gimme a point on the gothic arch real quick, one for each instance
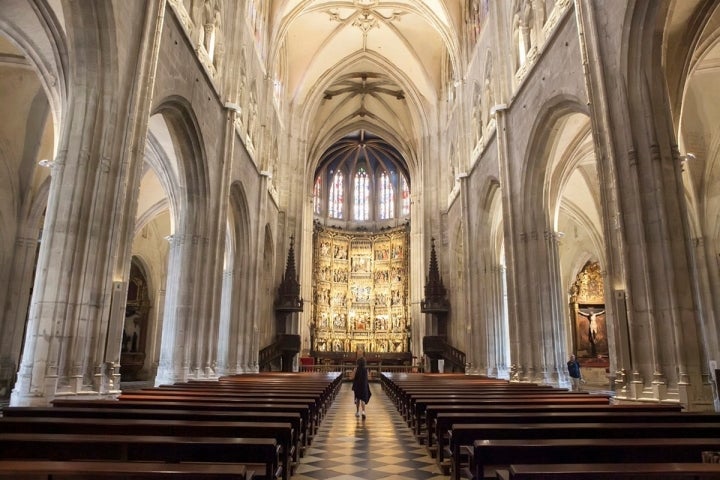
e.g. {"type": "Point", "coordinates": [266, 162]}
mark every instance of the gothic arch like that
{"type": "Point", "coordinates": [187, 141]}
{"type": "Point", "coordinates": [188, 268]}
{"type": "Point", "coordinates": [46, 49]}
{"type": "Point", "coordinates": [542, 136]}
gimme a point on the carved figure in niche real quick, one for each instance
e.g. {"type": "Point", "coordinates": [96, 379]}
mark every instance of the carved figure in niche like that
{"type": "Point", "coordinates": [219, 40]}
{"type": "Point", "coordinates": [362, 294]}
{"type": "Point", "coordinates": [360, 265]}
{"type": "Point", "coordinates": [339, 299]}
{"type": "Point", "coordinates": [591, 332]}
{"type": "Point", "coordinates": [522, 30]}
{"type": "Point", "coordinates": [340, 253]}
{"type": "Point", "coordinates": [475, 21]}
{"type": "Point", "coordinates": [381, 299]}
{"type": "Point", "coordinates": [196, 15]}
{"type": "Point", "coordinates": [540, 12]}
{"type": "Point", "coordinates": [252, 118]}
{"type": "Point", "coordinates": [324, 248]}
{"type": "Point", "coordinates": [208, 23]}
{"type": "Point", "coordinates": [452, 172]}
{"type": "Point", "coordinates": [131, 332]}
{"type": "Point", "coordinates": [489, 92]}
{"type": "Point", "coordinates": [242, 88]}
{"type": "Point", "coordinates": [477, 116]}
{"type": "Point", "coordinates": [396, 300]}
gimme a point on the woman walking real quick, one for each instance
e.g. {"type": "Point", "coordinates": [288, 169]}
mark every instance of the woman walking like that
{"type": "Point", "coordinates": [361, 387]}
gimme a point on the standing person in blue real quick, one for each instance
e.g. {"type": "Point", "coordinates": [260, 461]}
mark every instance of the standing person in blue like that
{"type": "Point", "coordinates": [361, 387]}
{"type": "Point", "coordinates": [574, 372]}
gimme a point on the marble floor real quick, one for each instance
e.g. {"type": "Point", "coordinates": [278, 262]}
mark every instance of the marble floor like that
{"type": "Point", "coordinates": [380, 446]}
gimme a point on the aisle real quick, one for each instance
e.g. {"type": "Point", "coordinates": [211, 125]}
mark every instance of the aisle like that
{"type": "Point", "coordinates": [380, 446]}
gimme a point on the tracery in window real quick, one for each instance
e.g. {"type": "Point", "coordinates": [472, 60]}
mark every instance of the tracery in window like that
{"type": "Point", "coordinates": [361, 179]}
{"type": "Point", "coordinates": [335, 202]}
{"type": "Point", "coordinates": [361, 203]}
{"type": "Point", "coordinates": [405, 198]}
{"type": "Point", "coordinates": [317, 195]}
{"type": "Point", "coordinates": [386, 196]}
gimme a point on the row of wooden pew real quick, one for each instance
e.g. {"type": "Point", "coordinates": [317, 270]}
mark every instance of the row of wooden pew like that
{"type": "Point", "coordinates": [240, 427]}
{"type": "Point", "coordinates": [477, 427]}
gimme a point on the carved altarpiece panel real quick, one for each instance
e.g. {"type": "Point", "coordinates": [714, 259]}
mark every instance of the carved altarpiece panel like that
{"type": "Point", "coordinates": [360, 291]}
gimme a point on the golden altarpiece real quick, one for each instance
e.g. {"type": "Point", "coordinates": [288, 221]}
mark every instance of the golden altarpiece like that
{"type": "Point", "coordinates": [360, 292]}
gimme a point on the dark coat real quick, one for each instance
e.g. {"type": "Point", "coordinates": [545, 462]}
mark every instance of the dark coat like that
{"type": "Point", "coordinates": [360, 386]}
{"type": "Point", "coordinates": [574, 368]}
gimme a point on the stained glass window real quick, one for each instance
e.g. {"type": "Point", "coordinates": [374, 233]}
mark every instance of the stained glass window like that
{"type": "Point", "coordinates": [361, 205]}
{"type": "Point", "coordinates": [317, 195]}
{"type": "Point", "coordinates": [386, 197]}
{"type": "Point", "coordinates": [405, 198]}
{"type": "Point", "coordinates": [335, 202]}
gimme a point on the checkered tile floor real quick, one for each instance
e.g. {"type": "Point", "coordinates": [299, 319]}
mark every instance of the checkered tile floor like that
{"type": "Point", "coordinates": [379, 447]}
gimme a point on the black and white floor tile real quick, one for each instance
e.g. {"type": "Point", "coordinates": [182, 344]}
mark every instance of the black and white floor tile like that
{"type": "Point", "coordinates": [380, 446]}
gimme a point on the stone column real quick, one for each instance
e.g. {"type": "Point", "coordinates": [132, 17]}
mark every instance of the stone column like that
{"type": "Point", "coordinates": [224, 364]}
{"type": "Point", "coordinates": [556, 371]}
{"type": "Point", "coordinates": [11, 330]}
{"type": "Point", "coordinates": [501, 354]}
{"type": "Point", "coordinates": [177, 338]}
{"type": "Point", "coordinates": [491, 334]}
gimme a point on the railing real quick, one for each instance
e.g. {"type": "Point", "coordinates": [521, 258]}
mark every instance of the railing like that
{"type": "Point", "coordinates": [347, 368]}
{"type": "Point", "coordinates": [436, 347]}
{"type": "Point", "coordinates": [269, 354]}
{"type": "Point", "coordinates": [286, 343]}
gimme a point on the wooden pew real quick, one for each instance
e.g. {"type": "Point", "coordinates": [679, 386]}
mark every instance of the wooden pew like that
{"type": "Point", "coordinates": [229, 389]}
{"type": "Point", "coordinates": [420, 404]}
{"type": "Point", "coordinates": [190, 399]}
{"type": "Point", "coordinates": [131, 448]}
{"type": "Point", "coordinates": [476, 413]}
{"type": "Point", "coordinates": [316, 412]}
{"type": "Point", "coordinates": [330, 382]}
{"type": "Point", "coordinates": [489, 455]}
{"type": "Point", "coordinates": [108, 412]}
{"type": "Point", "coordinates": [281, 432]}
{"type": "Point", "coordinates": [616, 471]}
{"type": "Point", "coordinates": [302, 409]}
{"type": "Point", "coordinates": [409, 398]}
{"type": "Point", "coordinates": [466, 434]}
{"type": "Point", "coordinates": [402, 393]}
{"type": "Point", "coordinates": [85, 470]}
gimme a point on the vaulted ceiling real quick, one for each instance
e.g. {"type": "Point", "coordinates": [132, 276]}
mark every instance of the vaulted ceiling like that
{"type": "Point", "coordinates": [380, 65]}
